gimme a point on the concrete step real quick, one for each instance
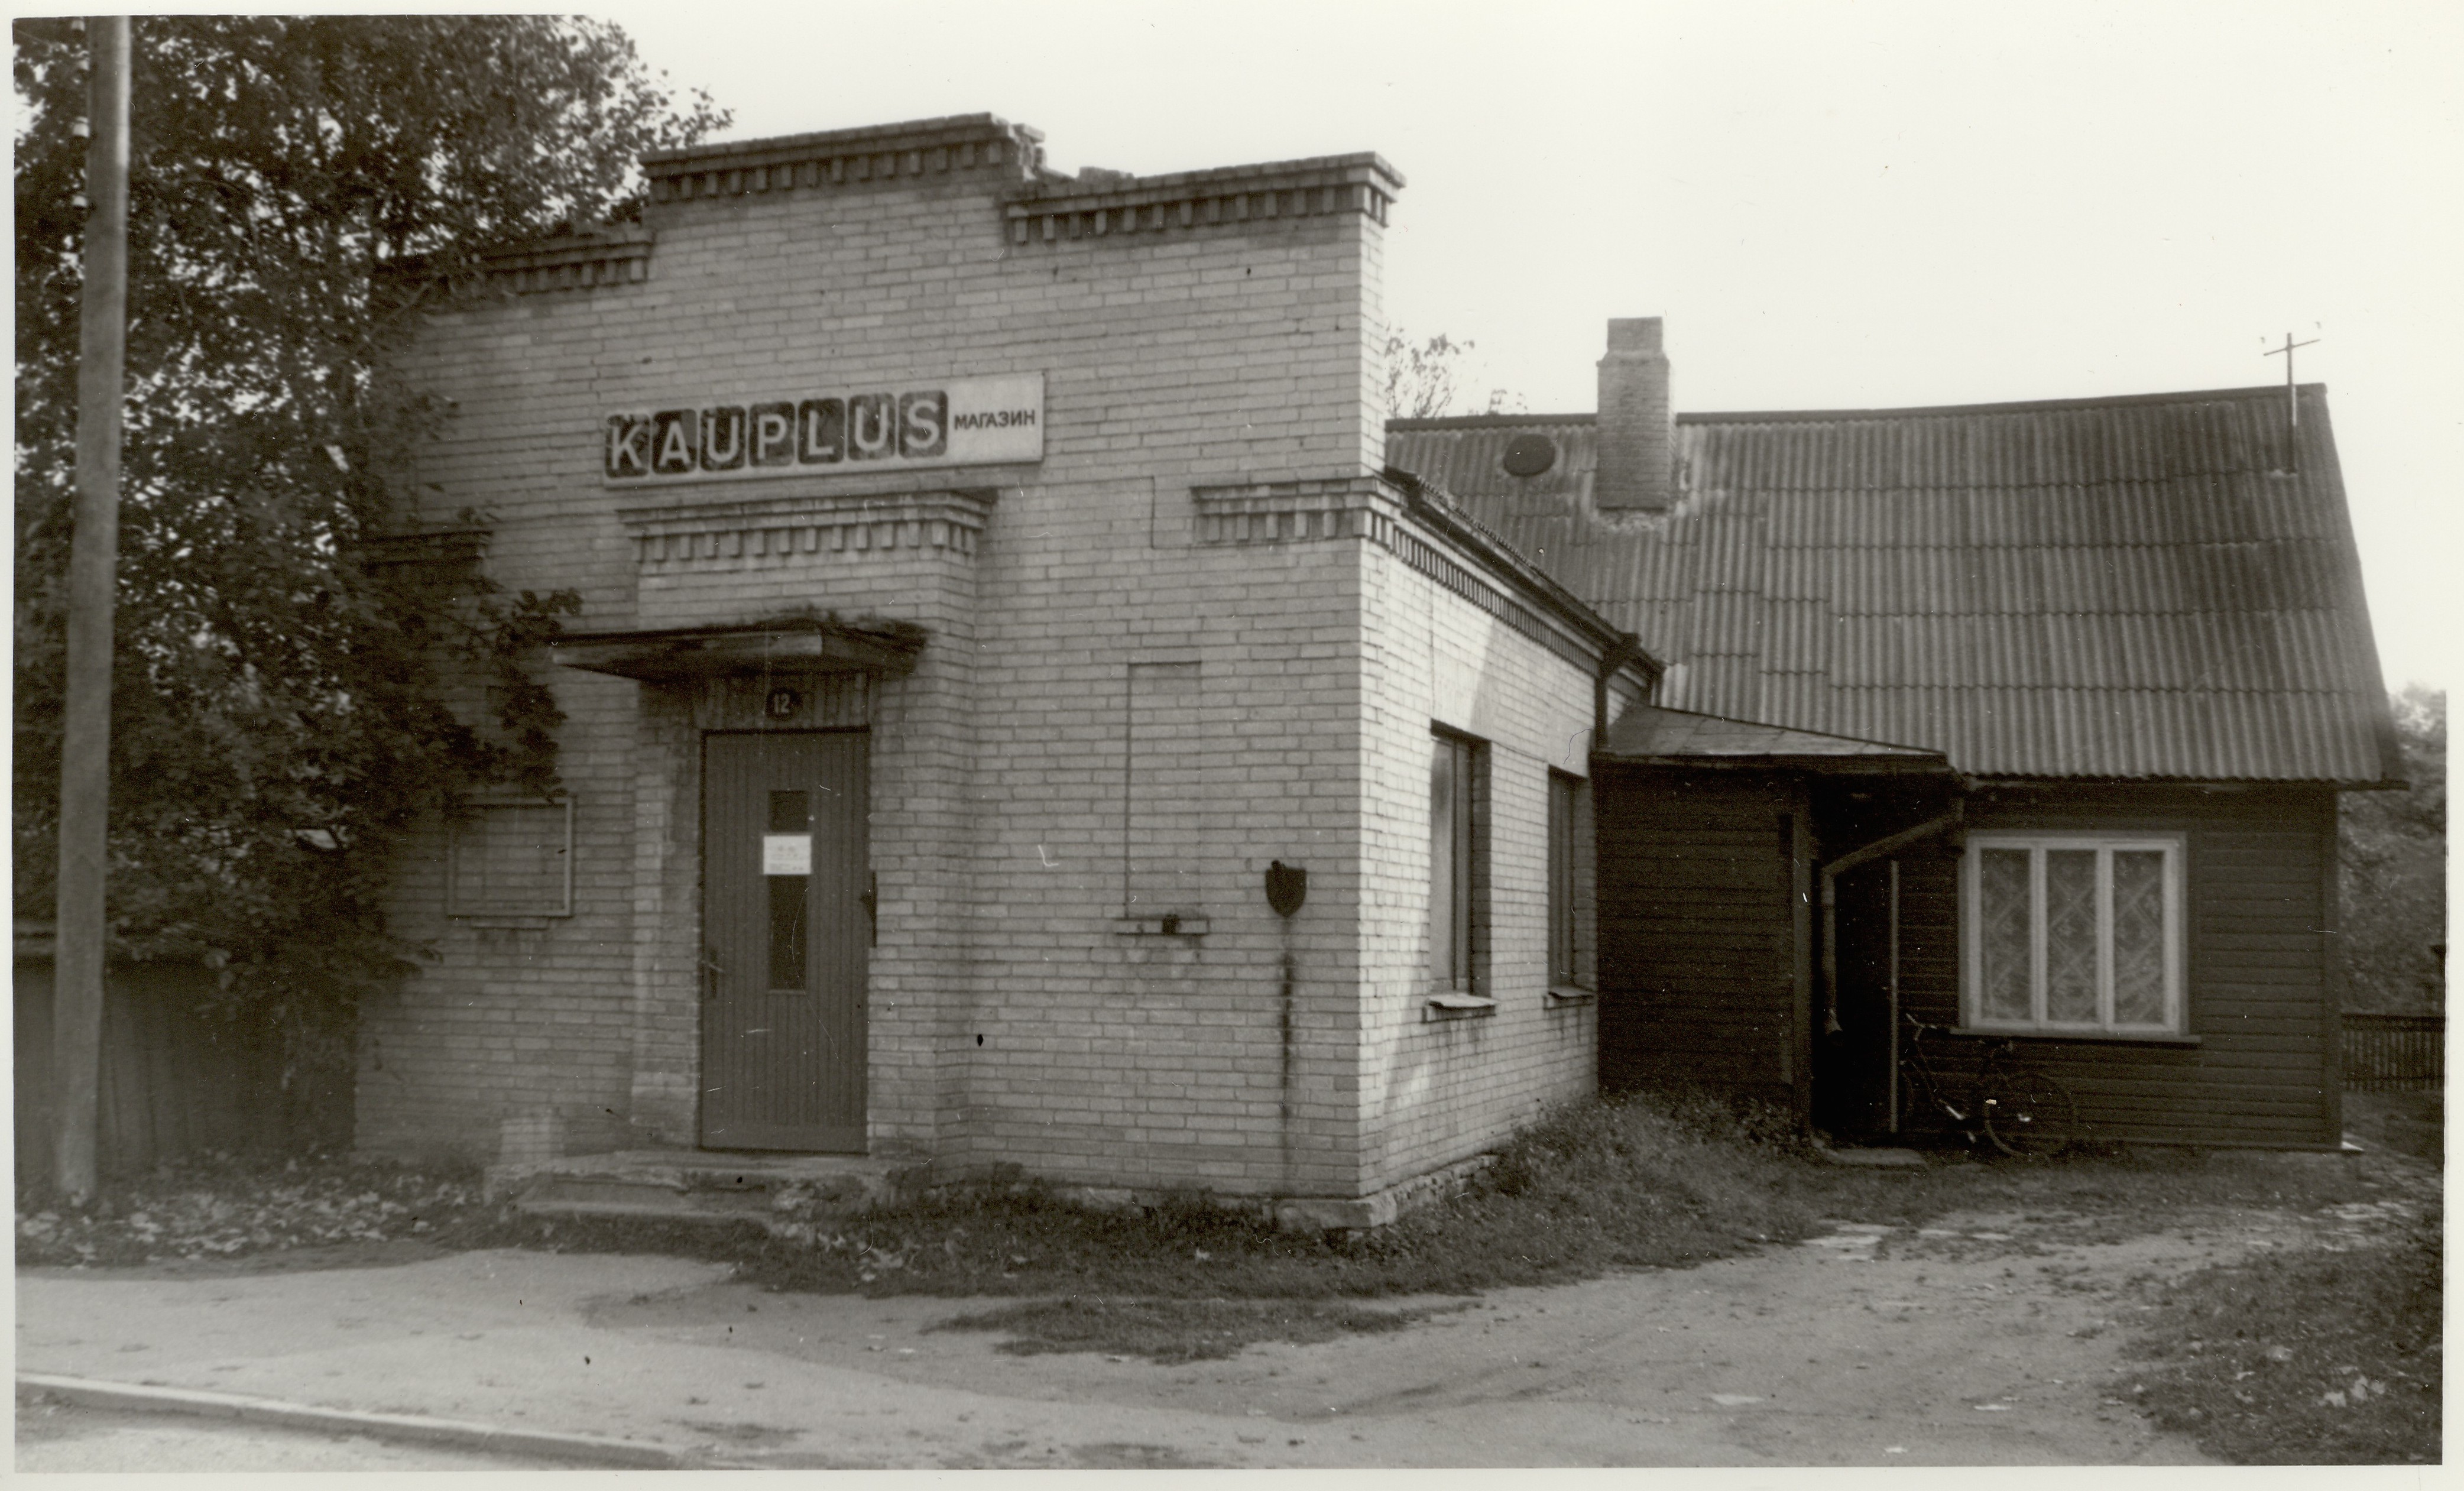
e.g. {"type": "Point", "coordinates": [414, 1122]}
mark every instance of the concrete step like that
{"type": "Point", "coordinates": [671, 1209]}
{"type": "Point", "coordinates": [697, 1186]}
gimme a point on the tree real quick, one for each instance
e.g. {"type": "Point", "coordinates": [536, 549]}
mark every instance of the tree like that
{"type": "Point", "coordinates": [282, 710]}
{"type": "Point", "coordinates": [2393, 857]}
{"type": "Point", "coordinates": [1423, 378]}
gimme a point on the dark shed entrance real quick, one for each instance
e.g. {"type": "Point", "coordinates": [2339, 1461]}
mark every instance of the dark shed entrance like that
{"type": "Point", "coordinates": [1720, 964]}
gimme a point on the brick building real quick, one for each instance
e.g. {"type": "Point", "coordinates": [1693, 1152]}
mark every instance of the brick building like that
{"type": "Point", "coordinates": [988, 577]}
{"type": "Point", "coordinates": [1030, 707]}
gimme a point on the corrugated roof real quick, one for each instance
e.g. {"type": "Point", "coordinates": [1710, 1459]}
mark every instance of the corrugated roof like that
{"type": "Point", "coordinates": [2126, 587]}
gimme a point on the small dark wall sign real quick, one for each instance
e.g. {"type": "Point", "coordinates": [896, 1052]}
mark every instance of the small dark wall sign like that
{"type": "Point", "coordinates": [1287, 887]}
{"type": "Point", "coordinates": [783, 703]}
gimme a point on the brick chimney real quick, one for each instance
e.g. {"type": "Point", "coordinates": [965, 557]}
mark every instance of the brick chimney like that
{"type": "Point", "coordinates": [1638, 455]}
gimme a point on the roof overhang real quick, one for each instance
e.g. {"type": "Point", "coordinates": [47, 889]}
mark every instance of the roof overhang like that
{"type": "Point", "coordinates": [799, 645]}
{"type": "Point", "coordinates": [1435, 508]}
{"type": "Point", "coordinates": [1648, 734]}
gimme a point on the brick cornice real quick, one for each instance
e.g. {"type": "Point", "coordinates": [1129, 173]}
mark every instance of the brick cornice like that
{"type": "Point", "coordinates": [979, 146]}
{"type": "Point", "coordinates": [619, 255]}
{"type": "Point", "coordinates": [1228, 197]}
{"type": "Point", "coordinates": [1285, 511]}
{"type": "Point", "coordinates": [853, 527]}
{"type": "Point", "coordinates": [1423, 529]}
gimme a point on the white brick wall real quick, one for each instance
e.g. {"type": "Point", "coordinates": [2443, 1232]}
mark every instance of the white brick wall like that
{"type": "Point", "coordinates": [1011, 1018]}
{"type": "Point", "coordinates": [1434, 1091]}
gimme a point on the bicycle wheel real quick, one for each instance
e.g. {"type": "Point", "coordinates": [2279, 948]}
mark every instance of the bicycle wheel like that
{"type": "Point", "coordinates": [2029, 1115]}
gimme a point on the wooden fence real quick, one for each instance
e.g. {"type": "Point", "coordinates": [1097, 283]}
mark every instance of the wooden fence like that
{"type": "Point", "coordinates": [174, 1081]}
{"type": "Point", "coordinates": [2385, 1052]}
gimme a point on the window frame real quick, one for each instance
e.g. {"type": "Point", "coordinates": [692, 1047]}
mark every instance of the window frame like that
{"type": "Point", "coordinates": [1567, 818]}
{"type": "Point", "coordinates": [1458, 939]}
{"type": "Point", "coordinates": [1971, 910]}
{"type": "Point", "coordinates": [466, 815]}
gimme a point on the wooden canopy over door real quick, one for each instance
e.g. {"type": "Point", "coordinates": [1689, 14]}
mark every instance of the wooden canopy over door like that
{"type": "Point", "coordinates": [786, 931]}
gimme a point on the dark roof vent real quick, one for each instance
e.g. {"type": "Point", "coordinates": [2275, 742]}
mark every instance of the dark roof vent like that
{"type": "Point", "coordinates": [1529, 454]}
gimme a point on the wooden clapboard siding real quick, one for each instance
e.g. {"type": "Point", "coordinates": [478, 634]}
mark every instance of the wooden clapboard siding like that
{"type": "Point", "coordinates": [2261, 877]}
{"type": "Point", "coordinates": [1696, 962]}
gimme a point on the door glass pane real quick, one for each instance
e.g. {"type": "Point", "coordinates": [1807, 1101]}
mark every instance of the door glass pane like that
{"type": "Point", "coordinates": [790, 814]}
{"type": "Point", "coordinates": [788, 902]}
{"type": "Point", "coordinates": [2070, 937]}
{"type": "Point", "coordinates": [2003, 933]}
{"type": "Point", "coordinates": [2139, 937]}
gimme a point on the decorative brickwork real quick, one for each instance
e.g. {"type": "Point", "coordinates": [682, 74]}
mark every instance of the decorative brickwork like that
{"type": "Point", "coordinates": [835, 527]}
{"type": "Point", "coordinates": [1195, 201]}
{"type": "Point", "coordinates": [976, 145]}
{"type": "Point", "coordinates": [1289, 511]}
{"type": "Point", "coordinates": [609, 257]}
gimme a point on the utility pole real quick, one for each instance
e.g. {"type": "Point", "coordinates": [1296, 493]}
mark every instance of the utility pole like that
{"type": "Point", "coordinates": [2292, 402]}
{"type": "Point", "coordinates": [94, 563]}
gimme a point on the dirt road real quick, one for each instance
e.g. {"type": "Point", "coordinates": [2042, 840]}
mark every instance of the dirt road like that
{"type": "Point", "coordinates": [1982, 1340]}
{"type": "Point", "coordinates": [1991, 1340]}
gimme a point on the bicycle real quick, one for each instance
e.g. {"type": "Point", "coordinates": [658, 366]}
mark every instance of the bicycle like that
{"type": "Point", "coordinates": [2023, 1112]}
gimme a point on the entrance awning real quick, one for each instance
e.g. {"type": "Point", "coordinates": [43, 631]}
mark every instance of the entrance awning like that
{"type": "Point", "coordinates": [800, 645]}
{"type": "Point", "coordinates": [1647, 734]}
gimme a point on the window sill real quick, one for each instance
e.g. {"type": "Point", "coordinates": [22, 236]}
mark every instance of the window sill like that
{"type": "Point", "coordinates": [532, 921]}
{"type": "Point", "coordinates": [1457, 1006]}
{"type": "Point", "coordinates": [1569, 994]}
{"type": "Point", "coordinates": [2098, 1036]}
{"type": "Point", "coordinates": [1172, 924]}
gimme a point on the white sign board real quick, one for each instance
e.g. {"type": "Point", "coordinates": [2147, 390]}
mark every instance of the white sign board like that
{"type": "Point", "coordinates": [786, 854]}
{"type": "Point", "coordinates": [956, 421]}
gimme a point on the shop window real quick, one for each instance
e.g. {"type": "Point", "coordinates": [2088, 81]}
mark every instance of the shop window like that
{"type": "Point", "coordinates": [1569, 816]}
{"type": "Point", "coordinates": [2076, 932]}
{"type": "Point", "coordinates": [1458, 885]}
{"type": "Point", "coordinates": [509, 859]}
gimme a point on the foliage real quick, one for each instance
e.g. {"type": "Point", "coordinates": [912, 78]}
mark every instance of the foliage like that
{"type": "Point", "coordinates": [281, 708]}
{"type": "Point", "coordinates": [216, 1206]}
{"type": "Point", "coordinates": [1423, 378]}
{"type": "Point", "coordinates": [2307, 1358]}
{"type": "Point", "coordinates": [2394, 867]}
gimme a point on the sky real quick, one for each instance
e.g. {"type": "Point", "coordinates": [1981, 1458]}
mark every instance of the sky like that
{"type": "Point", "coordinates": [1833, 206]}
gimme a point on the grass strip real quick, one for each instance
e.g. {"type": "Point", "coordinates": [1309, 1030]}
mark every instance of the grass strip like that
{"type": "Point", "coordinates": [1647, 1180]}
{"type": "Point", "coordinates": [2308, 1358]}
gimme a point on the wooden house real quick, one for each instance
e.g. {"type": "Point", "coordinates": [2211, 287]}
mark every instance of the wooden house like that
{"type": "Point", "coordinates": [2022, 718]}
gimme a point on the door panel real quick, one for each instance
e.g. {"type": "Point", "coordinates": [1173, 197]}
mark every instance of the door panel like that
{"type": "Point", "coordinates": [785, 935]}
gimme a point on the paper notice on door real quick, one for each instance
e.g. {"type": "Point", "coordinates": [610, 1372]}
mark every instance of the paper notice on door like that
{"type": "Point", "coordinates": [786, 854]}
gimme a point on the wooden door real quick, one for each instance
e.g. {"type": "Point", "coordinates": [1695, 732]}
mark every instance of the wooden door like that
{"type": "Point", "coordinates": [785, 933]}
